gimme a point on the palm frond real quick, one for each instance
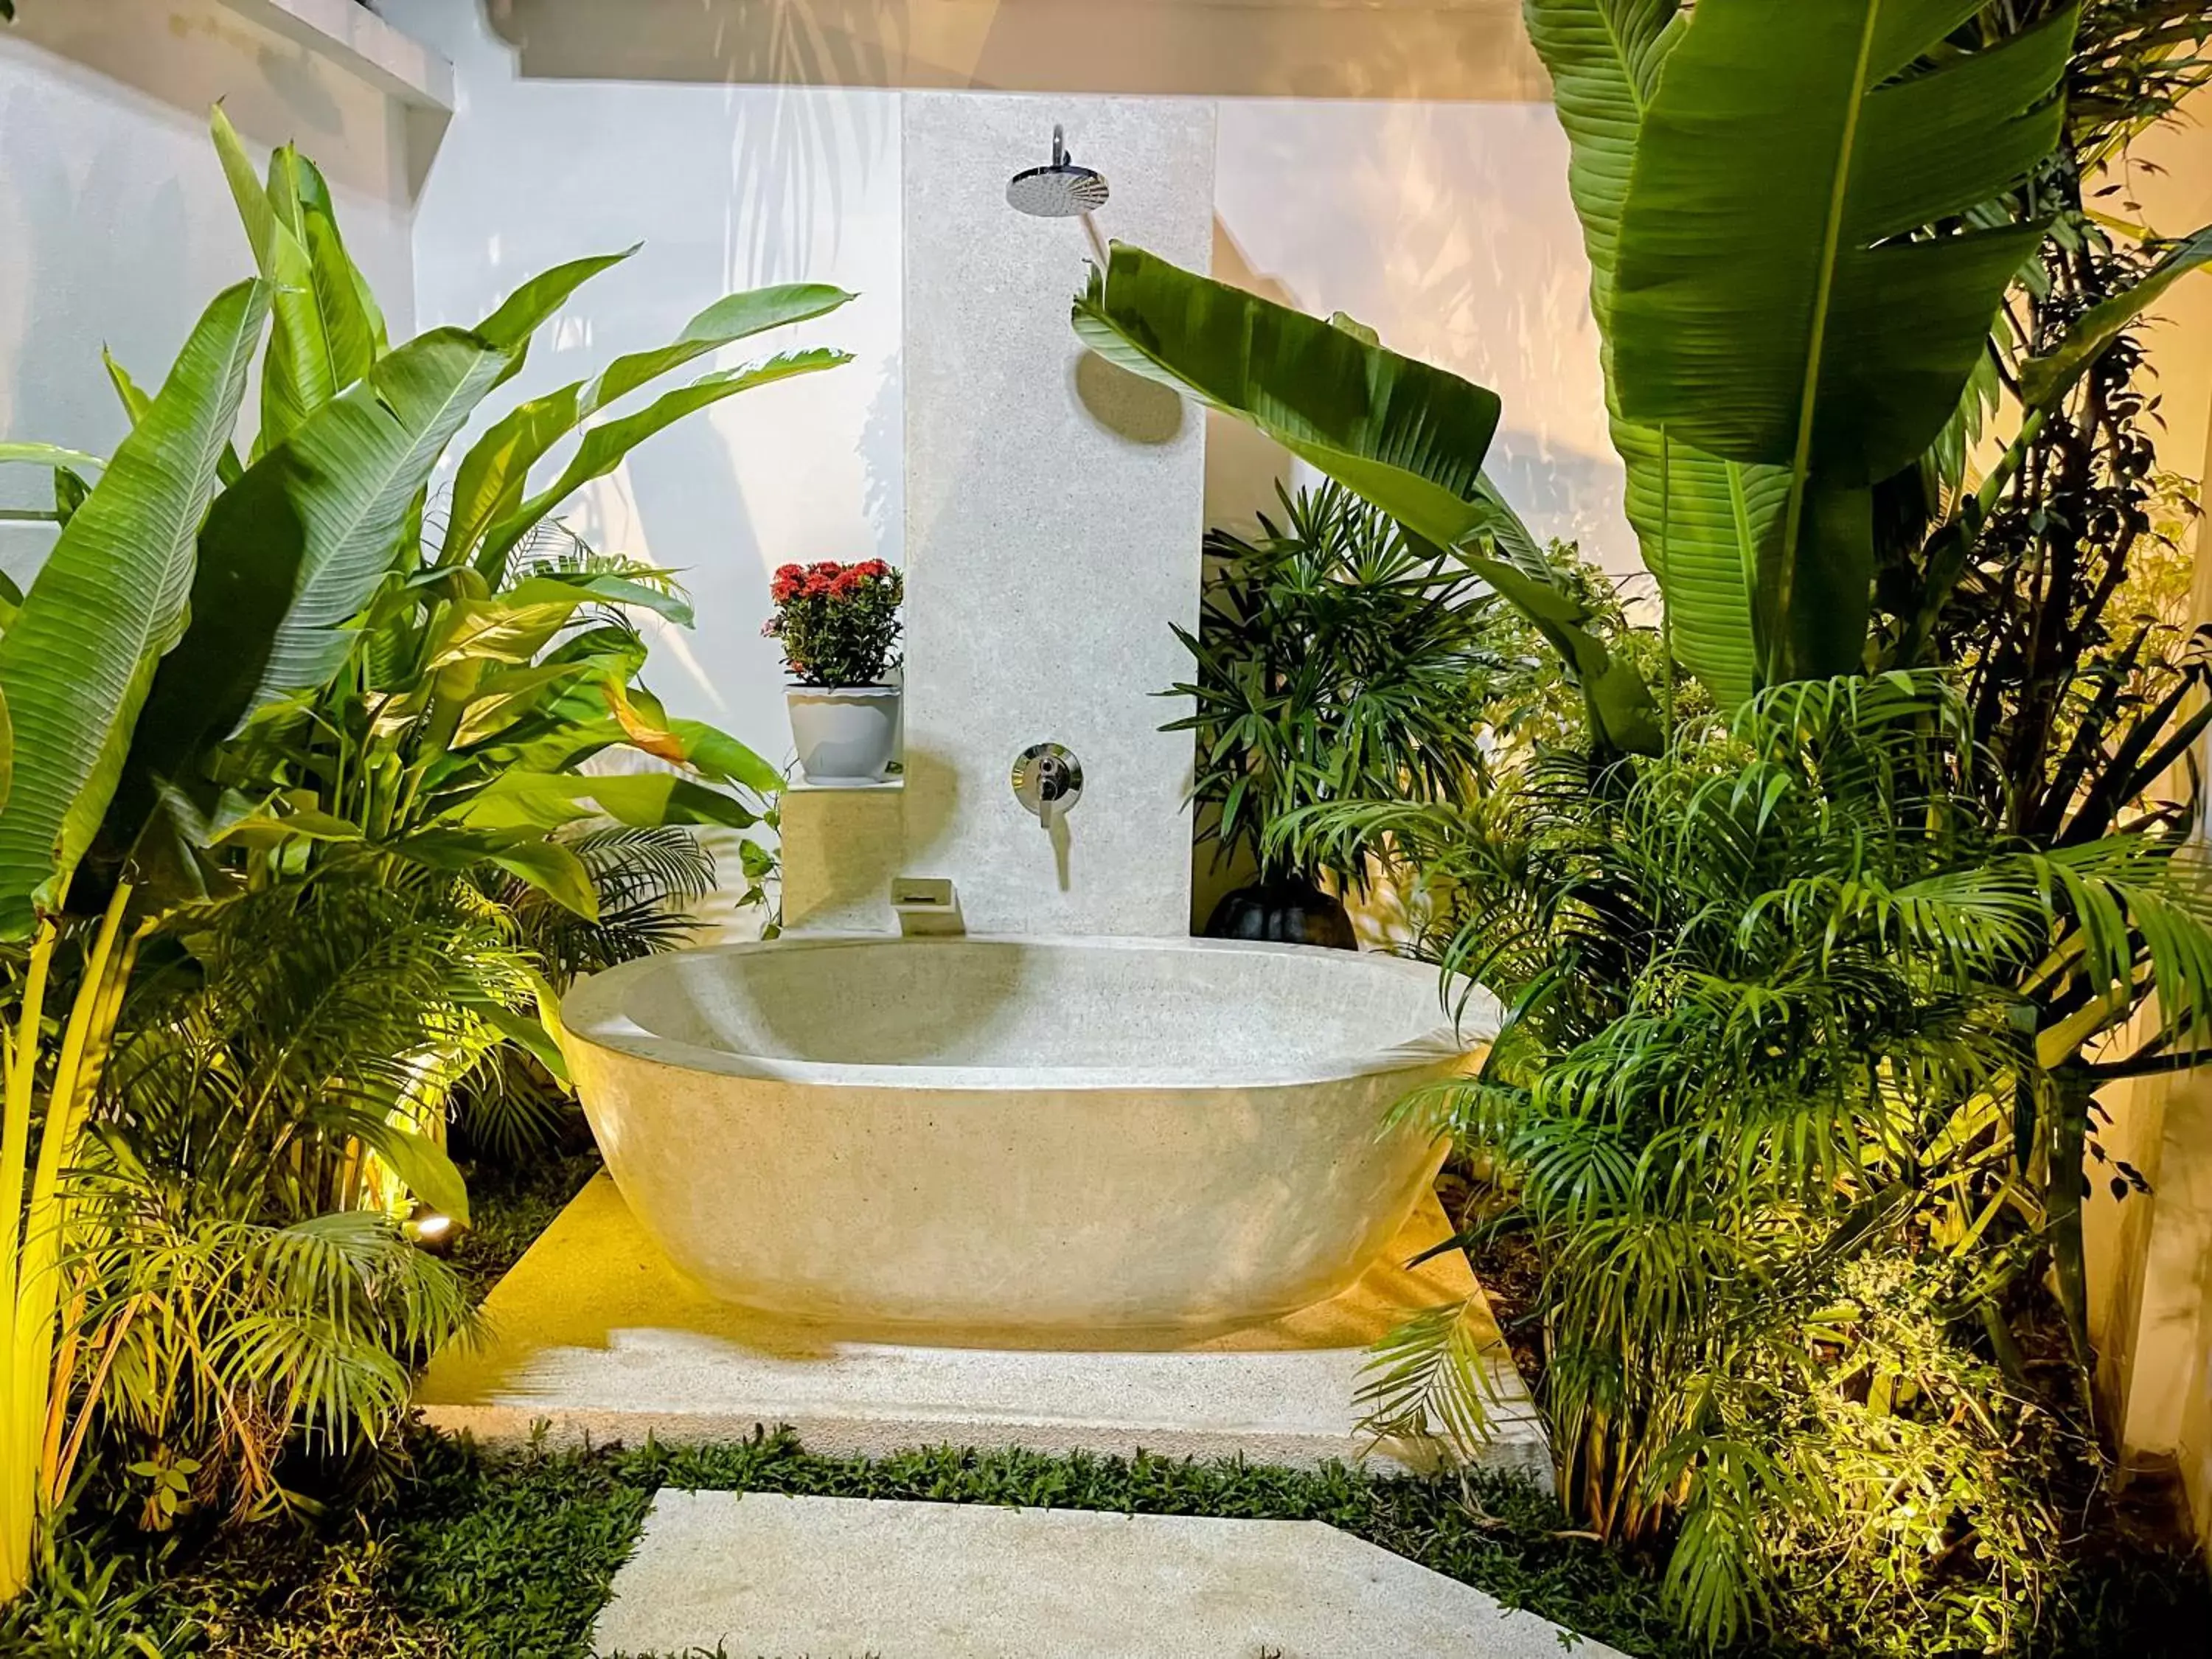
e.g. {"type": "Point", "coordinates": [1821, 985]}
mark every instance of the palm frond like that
{"type": "Point", "coordinates": [1429, 1381]}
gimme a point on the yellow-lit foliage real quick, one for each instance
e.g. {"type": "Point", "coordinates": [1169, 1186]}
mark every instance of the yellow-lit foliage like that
{"type": "Point", "coordinates": [36, 1366]}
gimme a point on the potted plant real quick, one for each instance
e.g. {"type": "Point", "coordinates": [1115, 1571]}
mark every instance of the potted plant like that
{"type": "Point", "coordinates": [838, 624]}
{"type": "Point", "coordinates": [1337, 660]}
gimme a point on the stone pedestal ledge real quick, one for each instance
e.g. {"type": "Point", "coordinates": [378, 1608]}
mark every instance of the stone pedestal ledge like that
{"type": "Point", "coordinates": [834, 1577]}
{"type": "Point", "coordinates": [596, 1335]}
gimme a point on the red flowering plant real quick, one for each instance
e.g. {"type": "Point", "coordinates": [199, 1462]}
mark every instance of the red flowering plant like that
{"type": "Point", "coordinates": [838, 622]}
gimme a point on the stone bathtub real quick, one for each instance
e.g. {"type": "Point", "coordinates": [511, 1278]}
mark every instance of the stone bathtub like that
{"type": "Point", "coordinates": [1042, 1135]}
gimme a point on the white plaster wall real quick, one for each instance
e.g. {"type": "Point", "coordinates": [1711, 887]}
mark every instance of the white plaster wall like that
{"type": "Point", "coordinates": [1446, 228]}
{"type": "Point", "coordinates": [728, 187]}
{"type": "Point", "coordinates": [115, 222]}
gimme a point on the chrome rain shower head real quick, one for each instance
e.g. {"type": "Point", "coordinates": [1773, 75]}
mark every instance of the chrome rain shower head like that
{"type": "Point", "coordinates": [1060, 190]}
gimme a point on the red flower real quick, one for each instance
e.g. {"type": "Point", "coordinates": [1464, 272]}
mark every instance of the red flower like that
{"type": "Point", "coordinates": [849, 581]}
{"type": "Point", "coordinates": [873, 568]}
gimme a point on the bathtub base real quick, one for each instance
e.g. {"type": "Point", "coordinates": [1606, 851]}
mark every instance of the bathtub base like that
{"type": "Point", "coordinates": [597, 1337]}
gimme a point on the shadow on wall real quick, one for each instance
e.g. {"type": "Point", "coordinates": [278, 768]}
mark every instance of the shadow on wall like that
{"type": "Point", "coordinates": [188, 54]}
{"type": "Point", "coordinates": [1141, 411]}
{"type": "Point", "coordinates": [1393, 48]}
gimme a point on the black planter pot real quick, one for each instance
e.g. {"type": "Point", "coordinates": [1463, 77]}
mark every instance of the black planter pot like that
{"type": "Point", "coordinates": [1289, 911]}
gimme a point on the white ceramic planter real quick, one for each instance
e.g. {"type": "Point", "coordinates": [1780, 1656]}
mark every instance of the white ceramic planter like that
{"type": "Point", "coordinates": [844, 733]}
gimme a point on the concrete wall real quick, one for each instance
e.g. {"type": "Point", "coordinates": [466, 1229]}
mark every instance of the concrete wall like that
{"type": "Point", "coordinates": [1053, 520]}
{"type": "Point", "coordinates": [115, 222]}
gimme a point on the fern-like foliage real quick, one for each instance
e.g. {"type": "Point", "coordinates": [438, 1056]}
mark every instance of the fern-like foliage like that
{"type": "Point", "coordinates": [1790, 1097]}
{"type": "Point", "coordinates": [286, 1059]}
{"type": "Point", "coordinates": [647, 880]}
{"type": "Point", "coordinates": [1429, 1383]}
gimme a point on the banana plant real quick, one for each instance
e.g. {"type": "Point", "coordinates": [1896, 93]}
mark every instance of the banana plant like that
{"type": "Point", "coordinates": [1699, 520]}
{"type": "Point", "coordinates": [1775, 298]}
{"type": "Point", "coordinates": [329, 629]}
{"type": "Point", "coordinates": [198, 606]}
{"type": "Point", "coordinates": [1406, 436]}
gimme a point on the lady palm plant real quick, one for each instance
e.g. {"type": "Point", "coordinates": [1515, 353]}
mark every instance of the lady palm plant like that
{"type": "Point", "coordinates": [1335, 660]}
{"type": "Point", "coordinates": [1768, 1101]}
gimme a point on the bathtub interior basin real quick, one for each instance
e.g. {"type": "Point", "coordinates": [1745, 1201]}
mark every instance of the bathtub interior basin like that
{"type": "Point", "coordinates": [1017, 1006]}
{"type": "Point", "coordinates": [1049, 1135]}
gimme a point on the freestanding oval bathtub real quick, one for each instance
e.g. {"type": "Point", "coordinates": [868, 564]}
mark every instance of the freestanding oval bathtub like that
{"type": "Point", "coordinates": [1039, 1134]}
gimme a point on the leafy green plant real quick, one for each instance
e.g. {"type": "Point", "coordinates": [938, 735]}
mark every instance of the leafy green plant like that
{"type": "Point", "coordinates": [1766, 1101]}
{"type": "Point", "coordinates": [90, 1604]}
{"type": "Point", "coordinates": [437, 687]}
{"type": "Point", "coordinates": [230, 673]}
{"type": "Point", "coordinates": [75, 663]}
{"type": "Point", "coordinates": [1824, 330]}
{"type": "Point", "coordinates": [1335, 660]}
{"type": "Point", "coordinates": [838, 623]}
{"type": "Point", "coordinates": [646, 882]}
{"type": "Point", "coordinates": [240, 1288]}
{"type": "Point", "coordinates": [1408, 437]}
{"type": "Point", "coordinates": [1780, 473]}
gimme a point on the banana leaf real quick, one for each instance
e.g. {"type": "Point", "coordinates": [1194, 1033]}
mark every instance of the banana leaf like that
{"type": "Point", "coordinates": [604, 446]}
{"type": "Point", "coordinates": [77, 664]}
{"type": "Point", "coordinates": [1698, 520]}
{"type": "Point", "coordinates": [291, 553]}
{"type": "Point", "coordinates": [493, 474]}
{"type": "Point", "coordinates": [299, 375]}
{"type": "Point", "coordinates": [351, 323]}
{"type": "Point", "coordinates": [1406, 436]}
{"type": "Point", "coordinates": [1773, 304]}
{"type": "Point", "coordinates": [53, 455]}
{"type": "Point", "coordinates": [540, 800]}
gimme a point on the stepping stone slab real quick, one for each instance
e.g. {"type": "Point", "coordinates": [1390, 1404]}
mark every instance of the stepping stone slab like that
{"type": "Point", "coordinates": [842, 1577]}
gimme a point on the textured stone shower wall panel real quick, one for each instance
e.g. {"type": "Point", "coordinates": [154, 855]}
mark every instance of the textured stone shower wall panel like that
{"type": "Point", "coordinates": [1053, 517]}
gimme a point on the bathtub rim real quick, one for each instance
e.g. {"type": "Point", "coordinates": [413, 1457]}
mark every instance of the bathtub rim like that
{"type": "Point", "coordinates": [594, 1013]}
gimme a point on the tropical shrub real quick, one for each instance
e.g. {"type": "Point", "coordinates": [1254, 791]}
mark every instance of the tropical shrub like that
{"type": "Point", "coordinates": [233, 673]}
{"type": "Point", "coordinates": [1335, 660]}
{"type": "Point", "coordinates": [1808, 1008]}
{"type": "Point", "coordinates": [1767, 1102]}
{"type": "Point", "coordinates": [243, 1289]}
{"type": "Point", "coordinates": [838, 623]}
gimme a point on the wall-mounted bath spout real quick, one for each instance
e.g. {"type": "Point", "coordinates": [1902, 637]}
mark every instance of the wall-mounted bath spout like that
{"type": "Point", "coordinates": [1047, 780]}
{"type": "Point", "coordinates": [926, 907]}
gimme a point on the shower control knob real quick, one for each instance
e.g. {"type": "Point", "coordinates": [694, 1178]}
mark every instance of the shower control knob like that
{"type": "Point", "coordinates": [1047, 780]}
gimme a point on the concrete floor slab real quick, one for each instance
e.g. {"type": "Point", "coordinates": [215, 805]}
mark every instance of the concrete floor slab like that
{"type": "Point", "coordinates": [598, 1337]}
{"type": "Point", "coordinates": [832, 1577]}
